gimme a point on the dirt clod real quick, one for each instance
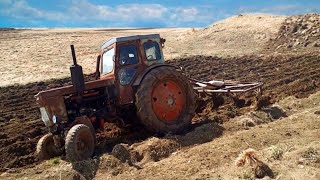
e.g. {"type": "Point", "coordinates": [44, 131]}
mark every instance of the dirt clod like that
{"type": "Point", "coordinates": [261, 170]}
{"type": "Point", "coordinates": [121, 152]}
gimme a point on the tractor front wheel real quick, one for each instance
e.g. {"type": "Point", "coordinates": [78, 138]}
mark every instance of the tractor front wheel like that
{"type": "Point", "coordinates": [79, 143]}
{"type": "Point", "coordinates": [46, 148]}
{"type": "Point", "coordinates": [165, 101]}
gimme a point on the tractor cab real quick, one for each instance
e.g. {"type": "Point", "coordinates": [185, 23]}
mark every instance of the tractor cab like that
{"type": "Point", "coordinates": [123, 59]}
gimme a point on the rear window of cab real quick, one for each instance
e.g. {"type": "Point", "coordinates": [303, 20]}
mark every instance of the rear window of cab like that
{"type": "Point", "coordinates": [152, 51]}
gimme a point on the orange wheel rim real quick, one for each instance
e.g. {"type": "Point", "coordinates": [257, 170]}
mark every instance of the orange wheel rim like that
{"type": "Point", "coordinates": [167, 100]}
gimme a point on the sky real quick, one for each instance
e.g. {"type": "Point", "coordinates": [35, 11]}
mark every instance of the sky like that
{"type": "Point", "coordinates": [143, 13]}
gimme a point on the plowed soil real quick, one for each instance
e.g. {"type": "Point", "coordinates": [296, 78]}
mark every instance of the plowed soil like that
{"type": "Point", "coordinates": [282, 75]}
{"type": "Point", "coordinates": [21, 127]}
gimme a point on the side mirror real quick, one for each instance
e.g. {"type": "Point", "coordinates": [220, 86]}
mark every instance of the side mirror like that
{"type": "Point", "coordinates": [98, 67]}
{"type": "Point", "coordinates": [162, 41]}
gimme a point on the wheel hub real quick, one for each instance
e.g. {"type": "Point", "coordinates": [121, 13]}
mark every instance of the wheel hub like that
{"type": "Point", "coordinates": [167, 100]}
{"type": "Point", "coordinates": [170, 102]}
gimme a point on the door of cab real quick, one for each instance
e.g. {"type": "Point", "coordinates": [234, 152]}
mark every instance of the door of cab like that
{"type": "Point", "coordinates": [128, 63]}
{"type": "Point", "coordinates": [107, 64]}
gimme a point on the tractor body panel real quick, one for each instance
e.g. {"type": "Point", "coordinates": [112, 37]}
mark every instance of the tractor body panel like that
{"type": "Point", "coordinates": [52, 101]}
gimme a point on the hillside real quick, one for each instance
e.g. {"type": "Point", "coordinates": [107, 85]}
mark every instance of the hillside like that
{"type": "Point", "coordinates": [31, 55]}
{"type": "Point", "coordinates": [235, 36]}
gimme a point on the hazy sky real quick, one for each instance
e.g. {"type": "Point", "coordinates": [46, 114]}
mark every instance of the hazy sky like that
{"type": "Point", "coordinates": [144, 13]}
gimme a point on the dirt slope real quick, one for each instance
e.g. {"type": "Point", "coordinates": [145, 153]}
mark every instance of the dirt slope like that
{"type": "Point", "coordinates": [301, 32]}
{"type": "Point", "coordinates": [288, 145]}
{"type": "Point", "coordinates": [235, 36]}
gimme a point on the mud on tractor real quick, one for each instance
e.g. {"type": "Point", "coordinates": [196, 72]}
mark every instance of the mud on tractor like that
{"type": "Point", "coordinates": [131, 76]}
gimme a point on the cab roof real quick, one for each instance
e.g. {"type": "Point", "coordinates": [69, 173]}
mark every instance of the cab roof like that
{"type": "Point", "coordinates": [128, 38]}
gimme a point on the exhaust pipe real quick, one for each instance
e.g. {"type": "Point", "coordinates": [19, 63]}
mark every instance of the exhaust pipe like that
{"type": "Point", "coordinates": [77, 77]}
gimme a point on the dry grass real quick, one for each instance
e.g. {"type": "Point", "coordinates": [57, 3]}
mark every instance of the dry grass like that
{"type": "Point", "coordinates": [238, 35]}
{"type": "Point", "coordinates": [41, 54]}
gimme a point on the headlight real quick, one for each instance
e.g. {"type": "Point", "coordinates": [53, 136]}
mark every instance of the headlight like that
{"type": "Point", "coordinates": [44, 116]}
{"type": "Point", "coordinates": [55, 119]}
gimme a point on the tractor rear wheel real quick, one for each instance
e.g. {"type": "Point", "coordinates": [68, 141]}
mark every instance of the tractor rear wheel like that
{"type": "Point", "coordinates": [165, 101]}
{"type": "Point", "coordinates": [79, 143]}
{"type": "Point", "coordinates": [46, 148]}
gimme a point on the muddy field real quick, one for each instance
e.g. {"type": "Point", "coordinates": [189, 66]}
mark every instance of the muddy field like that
{"type": "Point", "coordinates": [283, 75]}
{"type": "Point", "coordinates": [21, 127]}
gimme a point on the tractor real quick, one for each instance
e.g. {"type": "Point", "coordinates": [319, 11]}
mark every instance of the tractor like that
{"type": "Point", "coordinates": [130, 76]}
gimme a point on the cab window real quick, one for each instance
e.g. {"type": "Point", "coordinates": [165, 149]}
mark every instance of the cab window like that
{"type": "Point", "coordinates": [128, 55]}
{"type": "Point", "coordinates": [152, 51]}
{"type": "Point", "coordinates": [107, 61]}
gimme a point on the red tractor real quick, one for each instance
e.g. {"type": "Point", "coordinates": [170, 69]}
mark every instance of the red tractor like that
{"type": "Point", "coordinates": [130, 76]}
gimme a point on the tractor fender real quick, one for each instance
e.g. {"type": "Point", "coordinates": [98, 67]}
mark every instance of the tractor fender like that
{"type": "Point", "coordinates": [147, 70]}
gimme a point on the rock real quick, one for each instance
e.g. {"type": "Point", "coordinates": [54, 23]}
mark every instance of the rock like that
{"type": "Point", "coordinates": [275, 112]}
{"type": "Point", "coordinates": [261, 170]}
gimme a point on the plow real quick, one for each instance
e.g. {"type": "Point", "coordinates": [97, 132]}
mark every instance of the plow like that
{"type": "Point", "coordinates": [229, 87]}
{"type": "Point", "coordinates": [131, 76]}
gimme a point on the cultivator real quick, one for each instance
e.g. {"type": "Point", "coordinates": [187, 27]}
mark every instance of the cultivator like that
{"type": "Point", "coordinates": [227, 86]}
